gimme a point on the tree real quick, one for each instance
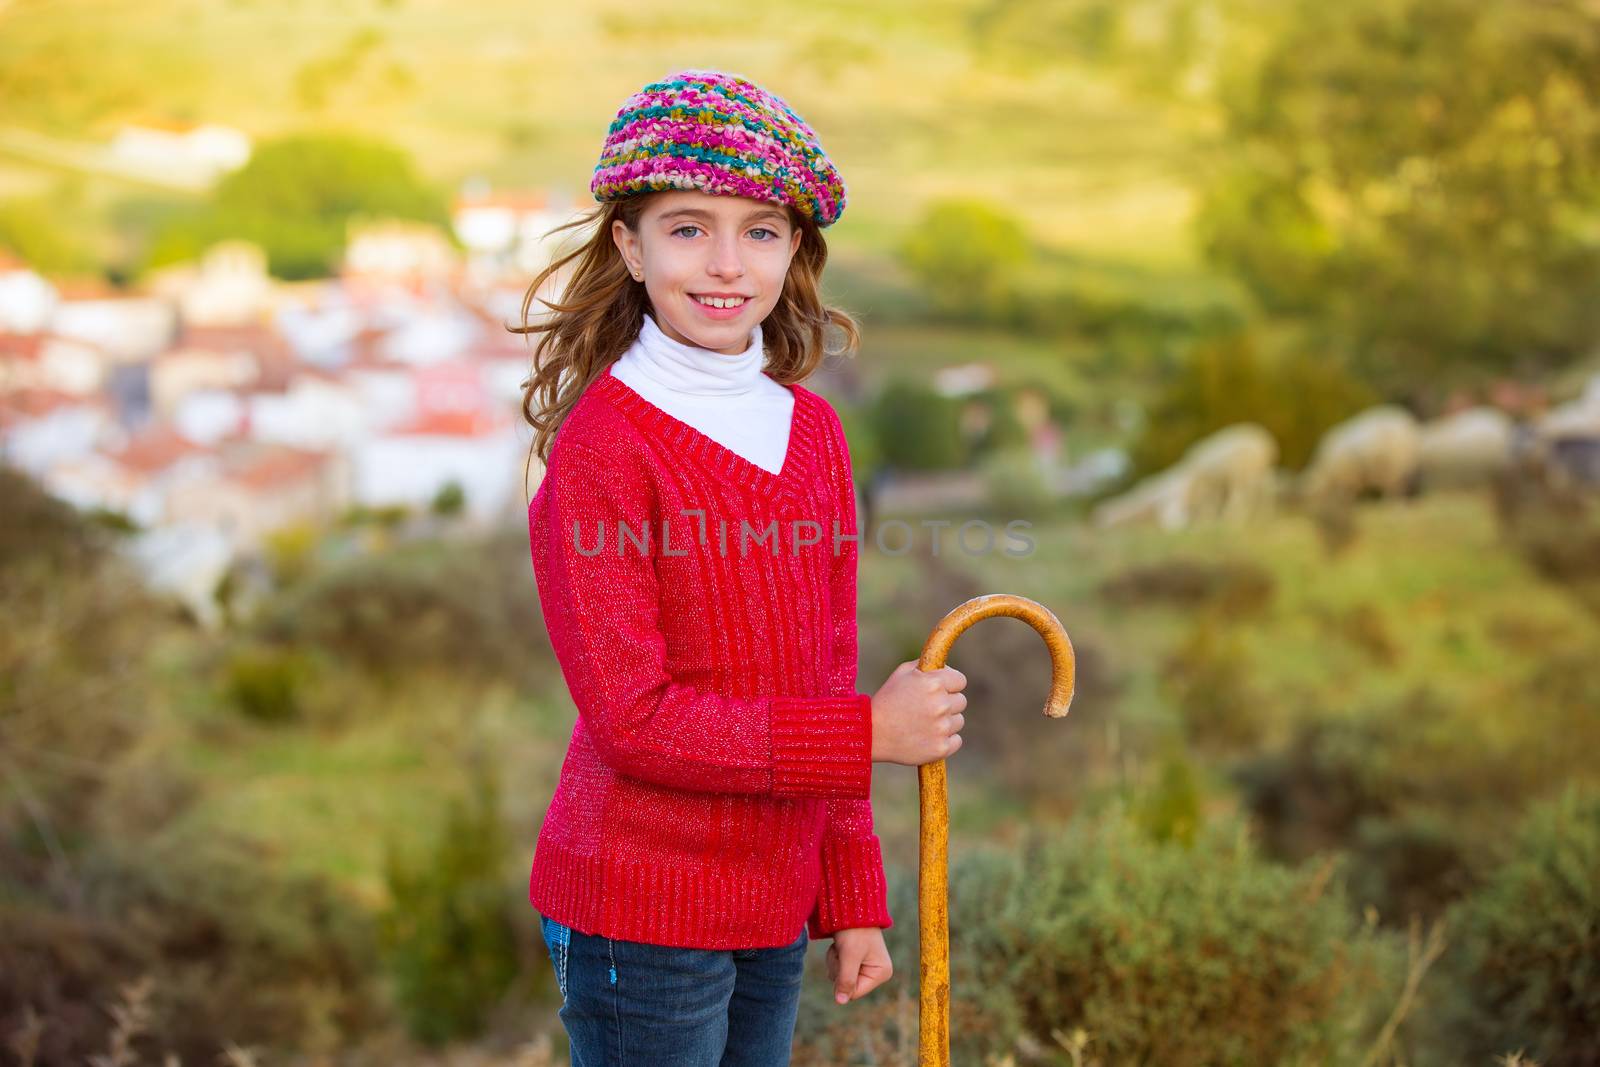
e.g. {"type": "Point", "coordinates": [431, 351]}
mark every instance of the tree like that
{"type": "Point", "coordinates": [965, 254]}
{"type": "Point", "coordinates": [296, 198]}
{"type": "Point", "coordinates": [1420, 175]}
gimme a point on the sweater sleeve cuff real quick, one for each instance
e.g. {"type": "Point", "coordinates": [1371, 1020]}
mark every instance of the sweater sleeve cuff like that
{"type": "Point", "coordinates": [854, 892]}
{"type": "Point", "coordinates": [822, 747]}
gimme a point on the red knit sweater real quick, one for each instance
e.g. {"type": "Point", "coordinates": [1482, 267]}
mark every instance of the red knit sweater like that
{"type": "Point", "coordinates": [716, 791]}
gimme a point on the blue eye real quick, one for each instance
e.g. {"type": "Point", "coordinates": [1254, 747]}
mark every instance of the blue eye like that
{"type": "Point", "coordinates": [773, 234]}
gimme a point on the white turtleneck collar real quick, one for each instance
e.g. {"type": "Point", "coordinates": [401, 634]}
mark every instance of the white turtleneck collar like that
{"type": "Point", "coordinates": [730, 399]}
{"type": "Point", "coordinates": [688, 368]}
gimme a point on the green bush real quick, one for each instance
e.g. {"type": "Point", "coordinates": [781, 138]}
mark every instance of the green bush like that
{"type": "Point", "coordinates": [266, 683]}
{"type": "Point", "coordinates": [1162, 953]}
{"type": "Point", "coordinates": [967, 255]}
{"type": "Point", "coordinates": [917, 428]}
{"type": "Point", "coordinates": [472, 611]}
{"type": "Point", "coordinates": [236, 951]}
{"type": "Point", "coordinates": [1015, 484]}
{"type": "Point", "coordinates": [448, 936]}
{"type": "Point", "coordinates": [1530, 939]}
{"type": "Point", "coordinates": [1208, 678]}
{"type": "Point", "coordinates": [1295, 394]}
{"type": "Point", "coordinates": [1394, 785]}
{"type": "Point", "coordinates": [1233, 589]}
{"type": "Point", "coordinates": [1170, 809]}
{"type": "Point", "coordinates": [451, 499]}
{"type": "Point", "coordinates": [291, 551]}
{"type": "Point", "coordinates": [1005, 430]}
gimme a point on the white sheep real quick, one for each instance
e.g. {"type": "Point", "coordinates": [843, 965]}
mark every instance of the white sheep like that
{"type": "Point", "coordinates": [1226, 475]}
{"type": "Point", "coordinates": [1579, 417]}
{"type": "Point", "coordinates": [1378, 448]}
{"type": "Point", "coordinates": [1467, 448]}
{"type": "Point", "coordinates": [1231, 473]}
{"type": "Point", "coordinates": [1161, 498]}
{"type": "Point", "coordinates": [1566, 439]}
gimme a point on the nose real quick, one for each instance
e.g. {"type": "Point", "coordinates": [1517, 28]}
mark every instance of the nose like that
{"type": "Point", "coordinates": [726, 260]}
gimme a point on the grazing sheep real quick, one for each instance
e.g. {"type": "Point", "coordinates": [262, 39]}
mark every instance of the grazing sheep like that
{"type": "Point", "coordinates": [1579, 417]}
{"type": "Point", "coordinates": [1567, 438]}
{"type": "Point", "coordinates": [1161, 498]}
{"type": "Point", "coordinates": [1378, 449]}
{"type": "Point", "coordinates": [1468, 448]}
{"type": "Point", "coordinates": [1227, 475]}
{"type": "Point", "coordinates": [1232, 473]}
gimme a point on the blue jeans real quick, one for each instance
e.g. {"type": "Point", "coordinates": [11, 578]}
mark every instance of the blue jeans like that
{"type": "Point", "coordinates": [633, 1004]}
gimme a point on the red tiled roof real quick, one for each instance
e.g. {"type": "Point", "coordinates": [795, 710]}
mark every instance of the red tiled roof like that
{"type": "Point", "coordinates": [449, 424]}
{"type": "Point", "coordinates": [20, 345]}
{"type": "Point", "coordinates": [277, 465]}
{"type": "Point", "coordinates": [156, 449]}
{"type": "Point", "coordinates": [20, 404]}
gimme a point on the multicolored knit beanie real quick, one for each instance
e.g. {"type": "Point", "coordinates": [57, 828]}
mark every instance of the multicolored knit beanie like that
{"type": "Point", "coordinates": [721, 134]}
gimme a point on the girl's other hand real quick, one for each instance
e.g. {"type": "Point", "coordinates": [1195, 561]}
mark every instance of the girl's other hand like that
{"type": "Point", "coordinates": [858, 962]}
{"type": "Point", "coordinates": [917, 715]}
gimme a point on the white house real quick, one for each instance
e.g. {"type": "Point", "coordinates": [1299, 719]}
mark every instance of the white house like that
{"type": "Point", "coordinates": [229, 285]}
{"type": "Point", "coordinates": [136, 478]}
{"type": "Point", "coordinates": [189, 153]}
{"type": "Point", "coordinates": [40, 428]}
{"type": "Point", "coordinates": [317, 410]}
{"type": "Point", "coordinates": [127, 328]}
{"type": "Point", "coordinates": [257, 488]}
{"type": "Point", "coordinates": [460, 433]}
{"type": "Point", "coordinates": [27, 299]}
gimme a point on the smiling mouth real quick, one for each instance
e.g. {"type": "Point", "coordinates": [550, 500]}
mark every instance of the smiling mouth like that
{"type": "Point", "coordinates": [720, 302]}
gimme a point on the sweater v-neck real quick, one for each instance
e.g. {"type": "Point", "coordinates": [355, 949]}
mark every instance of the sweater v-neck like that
{"type": "Point", "coordinates": [799, 456]}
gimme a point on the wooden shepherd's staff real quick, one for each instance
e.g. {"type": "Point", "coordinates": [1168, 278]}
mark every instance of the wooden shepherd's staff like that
{"type": "Point", "coordinates": [933, 891]}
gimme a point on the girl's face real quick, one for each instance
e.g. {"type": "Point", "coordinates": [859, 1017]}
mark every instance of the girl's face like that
{"type": "Point", "coordinates": [692, 245]}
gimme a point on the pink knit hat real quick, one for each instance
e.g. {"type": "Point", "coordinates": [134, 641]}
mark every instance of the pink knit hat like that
{"type": "Point", "coordinates": [721, 134]}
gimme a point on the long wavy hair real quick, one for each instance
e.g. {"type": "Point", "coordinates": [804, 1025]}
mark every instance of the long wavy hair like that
{"type": "Point", "coordinates": [601, 309]}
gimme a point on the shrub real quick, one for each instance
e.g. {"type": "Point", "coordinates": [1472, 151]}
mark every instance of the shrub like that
{"type": "Point", "coordinates": [1391, 784]}
{"type": "Point", "coordinates": [917, 428]}
{"type": "Point", "coordinates": [470, 609]}
{"type": "Point", "coordinates": [967, 256]}
{"type": "Point", "coordinates": [266, 683]}
{"type": "Point", "coordinates": [291, 551]}
{"type": "Point", "coordinates": [1208, 677]}
{"type": "Point", "coordinates": [235, 951]}
{"type": "Point", "coordinates": [1004, 430]}
{"type": "Point", "coordinates": [1531, 938]}
{"type": "Point", "coordinates": [1170, 810]}
{"type": "Point", "coordinates": [1236, 587]}
{"type": "Point", "coordinates": [448, 934]}
{"type": "Point", "coordinates": [451, 499]}
{"type": "Point", "coordinates": [1161, 953]}
{"type": "Point", "coordinates": [1016, 486]}
{"type": "Point", "coordinates": [1295, 394]}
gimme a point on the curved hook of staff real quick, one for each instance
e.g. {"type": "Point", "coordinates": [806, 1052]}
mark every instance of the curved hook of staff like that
{"type": "Point", "coordinates": [933, 897]}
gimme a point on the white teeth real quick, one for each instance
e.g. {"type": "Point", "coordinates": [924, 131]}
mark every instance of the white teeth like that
{"type": "Point", "coordinates": [719, 302]}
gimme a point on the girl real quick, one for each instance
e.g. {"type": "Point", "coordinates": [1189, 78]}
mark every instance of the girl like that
{"type": "Point", "coordinates": [694, 543]}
